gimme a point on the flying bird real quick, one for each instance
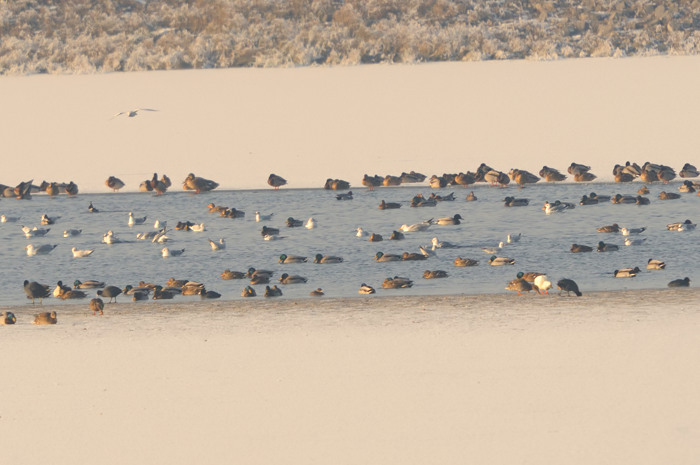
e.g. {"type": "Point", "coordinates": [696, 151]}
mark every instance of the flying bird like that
{"type": "Point", "coordinates": [134, 112]}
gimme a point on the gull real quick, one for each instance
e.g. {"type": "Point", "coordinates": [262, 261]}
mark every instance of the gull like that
{"type": "Point", "coordinates": [35, 232]}
{"type": "Point", "coordinates": [437, 244]}
{"type": "Point", "coordinates": [40, 250]}
{"type": "Point", "coordinates": [78, 253]}
{"type": "Point", "coordinates": [72, 232]}
{"type": "Point", "coordinates": [629, 241]}
{"type": "Point", "coordinates": [361, 232]}
{"type": "Point", "coordinates": [310, 224]}
{"type": "Point", "coordinates": [416, 227]}
{"type": "Point", "coordinates": [427, 252]}
{"type": "Point", "coordinates": [220, 245]}
{"type": "Point", "coordinates": [171, 253]}
{"type": "Point", "coordinates": [259, 217]}
{"type": "Point", "coordinates": [160, 237]}
{"type": "Point", "coordinates": [160, 224]}
{"type": "Point", "coordinates": [630, 231]}
{"type": "Point", "coordinates": [513, 238]}
{"type": "Point", "coordinates": [272, 237]}
{"type": "Point", "coordinates": [110, 238]}
{"type": "Point", "coordinates": [134, 112]}
{"type": "Point", "coordinates": [197, 227]}
{"type": "Point", "coordinates": [133, 221]}
{"type": "Point", "coordinates": [493, 250]}
{"type": "Point", "coordinates": [9, 219]}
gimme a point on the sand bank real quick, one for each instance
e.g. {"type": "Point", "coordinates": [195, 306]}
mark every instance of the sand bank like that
{"type": "Point", "coordinates": [606, 378]}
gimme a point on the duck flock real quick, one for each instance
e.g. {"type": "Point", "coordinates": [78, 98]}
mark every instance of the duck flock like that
{"type": "Point", "coordinates": [273, 278]}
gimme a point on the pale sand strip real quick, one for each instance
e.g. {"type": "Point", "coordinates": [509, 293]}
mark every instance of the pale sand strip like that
{"type": "Point", "coordinates": [606, 378]}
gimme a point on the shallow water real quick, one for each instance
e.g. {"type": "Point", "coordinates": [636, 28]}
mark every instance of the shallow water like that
{"type": "Point", "coordinates": [544, 246]}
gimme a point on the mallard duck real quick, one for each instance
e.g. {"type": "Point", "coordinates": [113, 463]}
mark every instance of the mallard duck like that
{"type": "Point", "coordinates": [459, 261]}
{"type": "Point", "coordinates": [585, 200]}
{"type": "Point", "coordinates": [519, 285]}
{"type": "Point", "coordinates": [293, 223]}
{"type": "Point", "coordinates": [513, 202]}
{"type": "Point", "coordinates": [111, 292]}
{"type": "Point", "coordinates": [60, 288]}
{"type": "Point", "coordinates": [292, 259]}
{"type": "Point", "coordinates": [642, 200]}
{"type": "Point", "coordinates": [603, 247]}
{"type": "Point", "coordinates": [666, 174]}
{"type": "Point", "coordinates": [495, 177]}
{"type": "Point", "coordinates": [265, 231]}
{"type": "Point", "coordinates": [136, 293]}
{"type": "Point", "coordinates": [529, 276]}
{"type": "Point", "coordinates": [114, 183]}
{"type": "Point", "coordinates": [45, 318]}
{"type": "Point", "coordinates": [366, 289]}
{"type": "Point", "coordinates": [577, 168]}
{"type": "Point", "coordinates": [621, 199]}
{"type": "Point", "coordinates": [390, 180]}
{"type": "Point", "coordinates": [396, 236]}
{"type": "Point", "coordinates": [685, 282]}
{"type": "Point", "coordinates": [434, 274]}
{"type": "Point", "coordinates": [686, 225]}
{"type": "Point", "coordinates": [688, 171]}
{"type": "Point", "coordinates": [585, 177]}
{"type": "Point", "coordinates": [259, 279]}
{"type": "Point", "coordinates": [668, 195]}
{"type": "Point", "coordinates": [197, 184]}
{"type": "Point", "coordinates": [624, 177]}
{"type": "Point", "coordinates": [522, 177]}
{"type": "Point", "coordinates": [344, 196]}
{"type": "Point", "coordinates": [273, 291]}
{"type": "Point", "coordinates": [374, 237]}
{"type": "Point", "coordinates": [412, 177]}
{"type": "Point", "coordinates": [217, 245]}
{"type": "Point", "coordinates": [471, 197]}
{"type": "Point", "coordinates": [626, 272]}
{"type": "Point", "coordinates": [396, 282]}
{"type": "Point", "coordinates": [336, 185]}
{"type": "Point", "coordinates": [653, 264]}
{"type": "Point", "coordinates": [578, 248]}
{"type": "Point", "coordinates": [317, 293]}
{"type": "Point", "coordinates": [437, 182]}
{"type": "Point", "coordinates": [420, 201]}
{"type": "Point", "coordinates": [568, 285]}
{"type": "Point", "coordinates": [644, 190]}
{"type": "Point", "coordinates": [7, 318]}
{"type": "Point", "coordinates": [388, 205]}
{"type": "Point", "coordinates": [542, 284]}
{"type": "Point", "coordinates": [48, 220]}
{"type": "Point", "coordinates": [205, 294]}
{"type": "Point", "coordinates": [454, 220]}
{"type": "Point", "coordinates": [88, 284]}
{"type": "Point", "coordinates": [276, 181]}
{"type": "Point", "coordinates": [292, 279]}
{"type": "Point", "coordinates": [68, 293]}
{"type": "Point", "coordinates": [248, 292]}
{"type": "Point", "coordinates": [162, 294]}
{"type": "Point", "coordinates": [648, 176]}
{"type": "Point", "coordinates": [382, 257]}
{"type": "Point", "coordinates": [499, 261]}
{"type": "Point", "coordinates": [687, 187]}
{"type": "Point", "coordinates": [613, 228]}
{"type": "Point", "coordinates": [228, 274]}
{"type": "Point", "coordinates": [253, 272]}
{"type": "Point", "coordinates": [551, 174]}
{"type": "Point", "coordinates": [319, 258]}
{"type": "Point", "coordinates": [370, 182]}
{"type": "Point", "coordinates": [406, 256]}
{"type": "Point", "coordinates": [43, 249]}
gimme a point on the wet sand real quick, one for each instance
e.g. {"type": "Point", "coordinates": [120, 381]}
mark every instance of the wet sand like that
{"type": "Point", "coordinates": [610, 377]}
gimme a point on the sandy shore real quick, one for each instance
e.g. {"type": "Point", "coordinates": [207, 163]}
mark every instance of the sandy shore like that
{"type": "Point", "coordinates": [606, 378]}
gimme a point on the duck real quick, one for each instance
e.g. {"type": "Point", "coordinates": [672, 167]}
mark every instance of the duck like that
{"type": "Point", "coordinates": [519, 285]}
{"type": "Point", "coordinates": [579, 248]}
{"type": "Point", "coordinates": [499, 261]}
{"type": "Point", "coordinates": [471, 197]}
{"type": "Point", "coordinates": [162, 294]}
{"type": "Point", "coordinates": [45, 318]}
{"type": "Point", "coordinates": [654, 264]}
{"type": "Point", "coordinates": [642, 200]}
{"type": "Point", "coordinates": [228, 274]}
{"type": "Point", "coordinates": [254, 272]}
{"type": "Point", "coordinates": [416, 227]}
{"type": "Point", "coordinates": [292, 279]}
{"type": "Point", "coordinates": [686, 225]}
{"type": "Point", "coordinates": [443, 198]}
{"type": "Point", "coordinates": [292, 259]}
{"type": "Point", "coordinates": [495, 177]}
{"type": "Point", "coordinates": [685, 282]}
{"type": "Point", "coordinates": [584, 177]}
{"type": "Point", "coordinates": [624, 177]}
{"type": "Point", "coordinates": [420, 201]}
{"type": "Point", "coordinates": [273, 291]}
{"type": "Point", "coordinates": [454, 220]}
{"type": "Point", "coordinates": [577, 168]}
{"type": "Point", "coordinates": [666, 174]}
{"type": "Point", "coordinates": [542, 284]}
{"type": "Point", "coordinates": [60, 288]}
{"type": "Point", "coordinates": [621, 199]}
{"type": "Point", "coordinates": [114, 183]}
{"type": "Point", "coordinates": [389, 205]}
{"type": "Point", "coordinates": [259, 279]}
{"type": "Point", "coordinates": [68, 293]}
{"type": "Point", "coordinates": [197, 184]}
{"type": "Point", "coordinates": [390, 180]}
{"type": "Point", "coordinates": [406, 256]}
{"type": "Point", "coordinates": [7, 318]}
{"type": "Point", "coordinates": [412, 177]}
{"type": "Point", "coordinates": [374, 237]}
{"type": "Point", "coordinates": [159, 186]}
{"type": "Point", "coordinates": [319, 258]}
{"type": "Point", "coordinates": [550, 208]}
{"type": "Point", "coordinates": [317, 293]}
{"type": "Point", "coordinates": [146, 236]}
{"type": "Point", "coordinates": [265, 231]}
{"type": "Point", "coordinates": [218, 245]}
{"type": "Point", "coordinates": [232, 213]}
{"type": "Point", "coordinates": [648, 176]}
{"type": "Point", "coordinates": [293, 223]}
{"type": "Point", "coordinates": [434, 274]}
{"type": "Point", "coordinates": [522, 177]}
{"type": "Point", "coordinates": [136, 293]}
{"type": "Point", "coordinates": [370, 182]}
{"type": "Point", "coordinates": [585, 200]}
{"type": "Point", "coordinates": [568, 285]}
{"type": "Point", "coordinates": [166, 252]}
{"type": "Point", "coordinates": [513, 202]}
{"type": "Point", "coordinates": [48, 220]}
{"type": "Point", "coordinates": [88, 284]}
{"type": "Point", "coordinates": [344, 196]}
{"type": "Point", "coordinates": [111, 292]}
{"type": "Point", "coordinates": [529, 276]}
{"type": "Point", "coordinates": [630, 241]}
{"type": "Point", "coordinates": [205, 294]}
{"type": "Point", "coordinates": [276, 181]}
{"type": "Point", "coordinates": [81, 253]}
{"type": "Point", "coordinates": [396, 282]}
{"type": "Point", "coordinates": [626, 272]}
{"type": "Point", "coordinates": [72, 232]}
{"type": "Point", "coordinates": [248, 292]}
{"type": "Point", "coordinates": [97, 306]}
{"type": "Point", "coordinates": [136, 221]}
{"type": "Point", "coordinates": [336, 185]}
{"type": "Point", "coordinates": [689, 171]}
{"type": "Point", "coordinates": [687, 187]}
{"type": "Point", "coordinates": [551, 174]}
{"type": "Point", "coordinates": [632, 231]}
{"type": "Point", "coordinates": [427, 253]}
{"type": "Point", "coordinates": [613, 228]}
{"type": "Point", "coordinates": [382, 257]}
{"type": "Point", "coordinates": [437, 182]}
{"type": "Point", "coordinates": [366, 289]}
{"type": "Point", "coordinates": [35, 290]}
{"type": "Point", "coordinates": [668, 195]}
{"type": "Point", "coordinates": [396, 236]}
{"type": "Point", "coordinates": [43, 249]}
{"type": "Point", "coordinates": [603, 247]}
{"type": "Point", "coordinates": [459, 261]}
{"type": "Point", "coordinates": [644, 190]}
{"type": "Point", "coordinates": [310, 223]}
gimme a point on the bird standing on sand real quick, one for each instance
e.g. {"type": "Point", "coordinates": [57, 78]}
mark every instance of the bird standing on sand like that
{"type": "Point", "coordinates": [276, 181]}
{"type": "Point", "coordinates": [569, 286]}
{"type": "Point", "coordinates": [114, 183]}
{"type": "Point", "coordinates": [110, 291]}
{"type": "Point", "coordinates": [7, 318]}
{"type": "Point", "coordinates": [97, 305]}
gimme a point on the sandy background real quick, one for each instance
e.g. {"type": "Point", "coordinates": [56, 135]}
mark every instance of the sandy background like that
{"type": "Point", "coordinates": [307, 124]}
{"type": "Point", "coordinates": [608, 378]}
